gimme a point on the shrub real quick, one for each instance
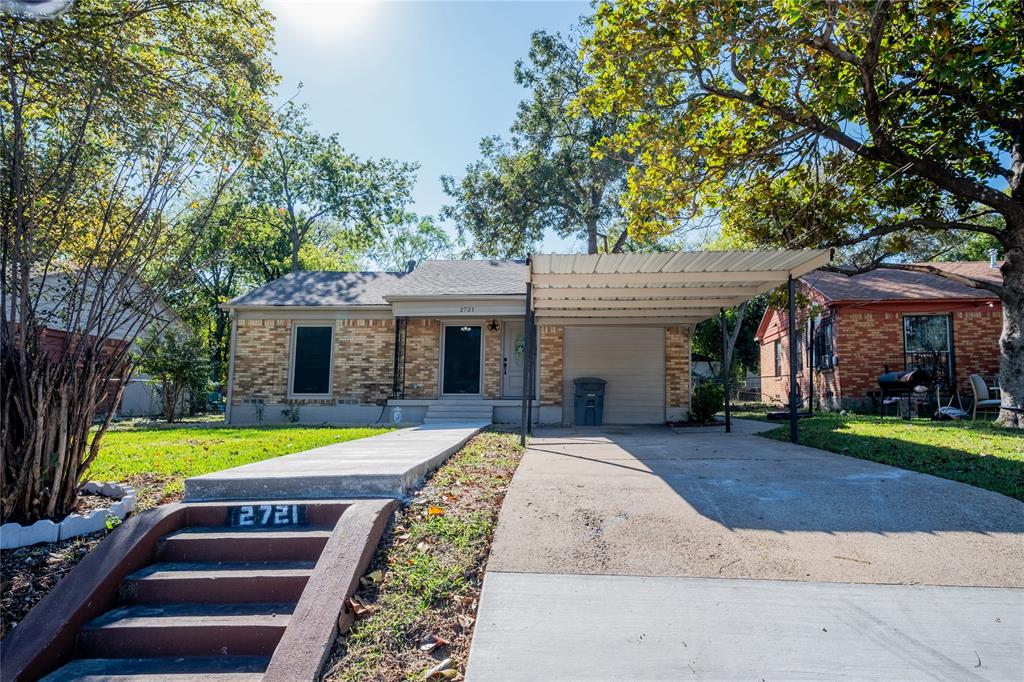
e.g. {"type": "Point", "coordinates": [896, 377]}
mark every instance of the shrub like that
{"type": "Point", "coordinates": [708, 398]}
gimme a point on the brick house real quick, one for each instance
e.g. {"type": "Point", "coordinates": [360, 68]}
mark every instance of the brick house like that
{"type": "Point", "coordinates": [884, 320]}
{"type": "Point", "coordinates": [447, 339]}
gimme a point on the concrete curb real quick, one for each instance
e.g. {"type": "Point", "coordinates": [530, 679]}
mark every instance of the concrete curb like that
{"type": "Point", "coordinates": [321, 610]}
{"type": "Point", "coordinates": [14, 535]}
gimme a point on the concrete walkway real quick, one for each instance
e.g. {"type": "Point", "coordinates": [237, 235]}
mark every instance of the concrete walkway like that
{"type": "Point", "coordinates": [720, 521]}
{"type": "Point", "coordinates": [380, 466]}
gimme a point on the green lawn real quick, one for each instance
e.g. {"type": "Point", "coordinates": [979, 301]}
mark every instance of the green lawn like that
{"type": "Point", "coordinates": [979, 453]}
{"type": "Point", "coordinates": [157, 459]}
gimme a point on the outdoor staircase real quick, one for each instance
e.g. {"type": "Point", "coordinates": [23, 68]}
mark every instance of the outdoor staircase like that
{"type": "Point", "coordinates": [459, 411]}
{"type": "Point", "coordinates": [213, 605]}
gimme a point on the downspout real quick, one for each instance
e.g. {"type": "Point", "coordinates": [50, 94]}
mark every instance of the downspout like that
{"type": "Point", "coordinates": [231, 365]}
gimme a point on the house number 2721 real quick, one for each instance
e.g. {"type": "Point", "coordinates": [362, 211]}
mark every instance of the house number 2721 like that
{"type": "Point", "coordinates": [466, 309]}
{"type": "Point", "coordinates": [267, 515]}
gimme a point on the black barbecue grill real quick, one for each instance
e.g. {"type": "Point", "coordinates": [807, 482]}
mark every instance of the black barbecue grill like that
{"type": "Point", "coordinates": [900, 386]}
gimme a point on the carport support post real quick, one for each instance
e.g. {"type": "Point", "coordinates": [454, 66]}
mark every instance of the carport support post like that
{"type": "Point", "coordinates": [793, 351]}
{"type": "Point", "coordinates": [726, 369]}
{"type": "Point", "coordinates": [526, 366]}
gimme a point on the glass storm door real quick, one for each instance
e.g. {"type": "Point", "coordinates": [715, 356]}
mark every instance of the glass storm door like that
{"type": "Point", "coordinates": [513, 356]}
{"type": "Point", "coordinates": [461, 364]}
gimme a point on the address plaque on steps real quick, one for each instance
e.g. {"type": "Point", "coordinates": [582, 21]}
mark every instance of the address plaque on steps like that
{"type": "Point", "coordinates": [267, 515]}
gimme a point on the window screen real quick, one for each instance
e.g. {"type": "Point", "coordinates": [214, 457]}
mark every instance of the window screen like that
{"type": "Point", "coordinates": [926, 342]}
{"type": "Point", "coordinates": [778, 358]}
{"type": "Point", "coordinates": [311, 361]}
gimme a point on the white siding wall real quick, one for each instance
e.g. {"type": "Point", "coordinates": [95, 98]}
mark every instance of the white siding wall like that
{"type": "Point", "coordinates": [630, 359]}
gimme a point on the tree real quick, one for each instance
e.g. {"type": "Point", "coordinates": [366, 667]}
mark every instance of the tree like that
{"type": "Point", "coordinates": [111, 115]}
{"type": "Point", "coordinates": [888, 129]}
{"type": "Point", "coordinates": [745, 354]}
{"type": "Point", "coordinates": [408, 238]}
{"type": "Point", "coordinates": [176, 364]}
{"type": "Point", "coordinates": [544, 177]}
{"type": "Point", "coordinates": [307, 183]}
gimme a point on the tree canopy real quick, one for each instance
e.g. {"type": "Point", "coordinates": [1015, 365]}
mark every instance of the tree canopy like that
{"type": "Point", "coordinates": [306, 185]}
{"type": "Point", "coordinates": [112, 114]}
{"type": "Point", "coordinates": [544, 177]}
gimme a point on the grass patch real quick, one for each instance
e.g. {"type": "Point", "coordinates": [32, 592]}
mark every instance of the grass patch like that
{"type": "Point", "coordinates": [158, 459]}
{"type": "Point", "coordinates": [979, 453]}
{"type": "Point", "coordinates": [432, 563]}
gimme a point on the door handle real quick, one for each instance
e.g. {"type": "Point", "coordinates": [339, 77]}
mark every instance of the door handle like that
{"type": "Point", "coordinates": [504, 365]}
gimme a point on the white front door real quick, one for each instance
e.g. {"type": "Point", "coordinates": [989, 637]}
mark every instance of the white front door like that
{"type": "Point", "coordinates": [513, 356]}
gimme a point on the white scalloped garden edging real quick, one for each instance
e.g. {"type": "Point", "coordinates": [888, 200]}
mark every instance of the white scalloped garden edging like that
{"type": "Point", "coordinates": [14, 535]}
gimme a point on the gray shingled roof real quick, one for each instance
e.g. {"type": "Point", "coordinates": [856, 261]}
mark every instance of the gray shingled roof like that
{"type": "Point", "coordinates": [464, 278]}
{"type": "Point", "coordinates": [895, 285]}
{"type": "Point", "coordinates": [324, 288]}
{"type": "Point", "coordinates": [430, 278]}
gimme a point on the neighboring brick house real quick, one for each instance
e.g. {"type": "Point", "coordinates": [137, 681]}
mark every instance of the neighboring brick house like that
{"type": "Point", "coordinates": [346, 347]}
{"type": "Point", "coordinates": [884, 320]}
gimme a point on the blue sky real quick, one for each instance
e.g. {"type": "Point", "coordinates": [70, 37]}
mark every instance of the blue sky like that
{"type": "Point", "coordinates": [415, 81]}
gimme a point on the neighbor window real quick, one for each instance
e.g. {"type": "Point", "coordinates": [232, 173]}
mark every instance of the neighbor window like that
{"type": "Point", "coordinates": [778, 358]}
{"type": "Point", "coordinates": [823, 351]}
{"type": "Point", "coordinates": [311, 360]}
{"type": "Point", "coordinates": [927, 343]}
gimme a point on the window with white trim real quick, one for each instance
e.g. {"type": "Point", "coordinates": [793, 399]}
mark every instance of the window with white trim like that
{"type": "Point", "coordinates": [311, 360]}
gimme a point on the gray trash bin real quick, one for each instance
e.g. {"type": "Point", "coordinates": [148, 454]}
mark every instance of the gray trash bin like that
{"type": "Point", "coordinates": [588, 400]}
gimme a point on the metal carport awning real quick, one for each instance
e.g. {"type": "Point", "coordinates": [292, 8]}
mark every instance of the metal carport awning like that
{"type": "Point", "coordinates": [663, 288]}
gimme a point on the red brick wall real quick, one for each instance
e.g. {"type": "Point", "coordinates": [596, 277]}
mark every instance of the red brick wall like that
{"type": "Point", "coordinates": [867, 339]}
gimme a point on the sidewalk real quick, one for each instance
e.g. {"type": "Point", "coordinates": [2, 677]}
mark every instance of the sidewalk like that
{"type": "Point", "coordinates": [387, 465]}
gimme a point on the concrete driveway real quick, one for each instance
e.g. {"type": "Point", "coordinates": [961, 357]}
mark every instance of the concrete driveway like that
{"type": "Point", "coordinates": [610, 541]}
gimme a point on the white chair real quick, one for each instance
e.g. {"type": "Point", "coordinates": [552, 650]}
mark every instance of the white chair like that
{"type": "Point", "coordinates": [981, 397]}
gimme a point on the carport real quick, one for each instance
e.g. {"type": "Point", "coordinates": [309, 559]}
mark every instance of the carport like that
{"type": "Point", "coordinates": [650, 290]}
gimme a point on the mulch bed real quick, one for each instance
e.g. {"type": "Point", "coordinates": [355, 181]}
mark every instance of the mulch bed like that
{"type": "Point", "coordinates": [28, 573]}
{"type": "Point", "coordinates": [416, 607]}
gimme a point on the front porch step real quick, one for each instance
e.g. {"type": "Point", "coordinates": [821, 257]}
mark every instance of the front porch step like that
{"type": "Point", "coordinates": [454, 411]}
{"type": "Point", "coordinates": [185, 630]}
{"type": "Point", "coordinates": [205, 544]}
{"type": "Point", "coordinates": [185, 669]}
{"type": "Point", "coordinates": [269, 581]}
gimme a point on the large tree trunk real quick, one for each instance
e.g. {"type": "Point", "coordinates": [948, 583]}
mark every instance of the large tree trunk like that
{"type": "Point", "coordinates": [1011, 341]}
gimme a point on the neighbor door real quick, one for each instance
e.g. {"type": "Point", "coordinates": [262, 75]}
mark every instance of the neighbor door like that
{"type": "Point", "coordinates": [513, 357]}
{"type": "Point", "coordinates": [461, 365]}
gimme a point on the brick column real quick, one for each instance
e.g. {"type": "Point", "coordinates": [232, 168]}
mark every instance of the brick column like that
{"type": "Point", "coordinates": [677, 368]}
{"type": "Point", "coordinates": [422, 359]}
{"type": "Point", "coordinates": [552, 340]}
{"type": "Point", "coordinates": [492, 362]}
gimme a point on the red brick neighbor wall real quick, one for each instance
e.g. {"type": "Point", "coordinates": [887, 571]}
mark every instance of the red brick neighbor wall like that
{"type": "Point", "coordinates": [867, 339]}
{"type": "Point", "coordinates": [364, 361]}
{"type": "Point", "coordinates": [422, 359]}
{"type": "Point", "coordinates": [677, 367]}
{"type": "Point", "coordinates": [552, 342]}
{"type": "Point", "coordinates": [976, 345]}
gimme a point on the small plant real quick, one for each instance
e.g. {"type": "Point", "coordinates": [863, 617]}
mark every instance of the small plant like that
{"type": "Point", "coordinates": [113, 521]}
{"type": "Point", "coordinates": [291, 413]}
{"type": "Point", "coordinates": [708, 399]}
{"type": "Point", "coordinates": [258, 407]}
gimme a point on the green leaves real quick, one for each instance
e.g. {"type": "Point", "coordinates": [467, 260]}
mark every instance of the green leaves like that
{"type": "Point", "coordinates": [776, 113]}
{"type": "Point", "coordinates": [549, 175]}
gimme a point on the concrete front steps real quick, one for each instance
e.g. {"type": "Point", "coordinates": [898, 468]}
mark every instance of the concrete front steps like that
{"type": "Point", "coordinates": [459, 412]}
{"type": "Point", "coordinates": [212, 606]}
{"type": "Point", "coordinates": [204, 592]}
